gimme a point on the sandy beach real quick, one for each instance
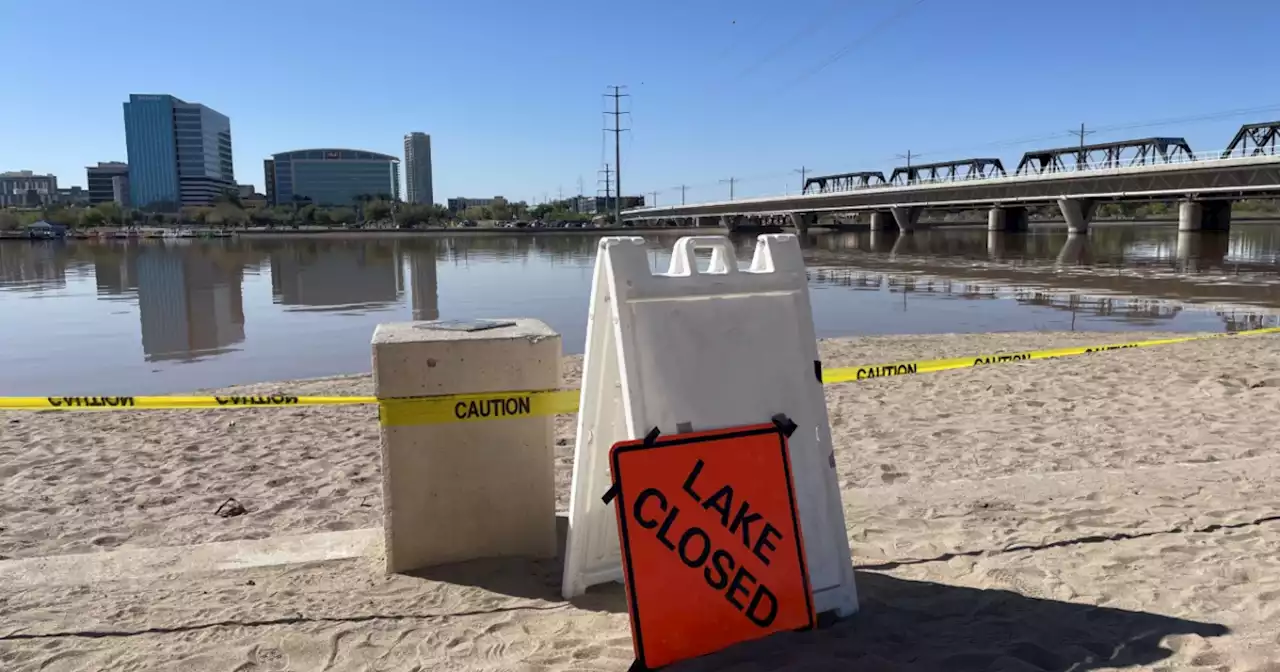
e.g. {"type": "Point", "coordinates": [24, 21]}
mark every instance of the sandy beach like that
{"type": "Point", "coordinates": [1119, 510]}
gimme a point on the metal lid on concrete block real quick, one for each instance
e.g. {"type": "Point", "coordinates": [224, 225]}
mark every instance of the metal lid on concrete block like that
{"type": "Point", "coordinates": [461, 330]}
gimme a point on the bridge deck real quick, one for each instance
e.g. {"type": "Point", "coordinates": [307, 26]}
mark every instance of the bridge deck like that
{"type": "Point", "coordinates": [1255, 176]}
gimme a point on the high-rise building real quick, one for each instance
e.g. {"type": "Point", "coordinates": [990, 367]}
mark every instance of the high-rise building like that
{"type": "Point", "coordinates": [102, 182]}
{"type": "Point", "coordinates": [340, 177]}
{"type": "Point", "coordinates": [179, 152]}
{"type": "Point", "coordinates": [417, 162]}
{"type": "Point", "coordinates": [25, 189]}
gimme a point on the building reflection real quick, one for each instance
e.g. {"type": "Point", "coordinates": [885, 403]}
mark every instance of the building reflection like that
{"type": "Point", "coordinates": [40, 265]}
{"type": "Point", "coordinates": [423, 286]}
{"type": "Point", "coordinates": [190, 300]}
{"type": "Point", "coordinates": [336, 275]}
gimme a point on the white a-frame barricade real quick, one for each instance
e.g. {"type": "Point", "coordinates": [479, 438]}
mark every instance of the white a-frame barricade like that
{"type": "Point", "coordinates": [696, 350]}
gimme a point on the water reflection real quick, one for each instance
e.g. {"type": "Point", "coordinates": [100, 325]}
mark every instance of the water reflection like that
{"type": "Point", "coordinates": [157, 316]}
{"type": "Point", "coordinates": [190, 301]}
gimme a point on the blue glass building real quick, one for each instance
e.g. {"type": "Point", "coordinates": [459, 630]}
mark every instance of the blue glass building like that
{"type": "Point", "coordinates": [332, 177]}
{"type": "Point", "coordinates": [179, 152]}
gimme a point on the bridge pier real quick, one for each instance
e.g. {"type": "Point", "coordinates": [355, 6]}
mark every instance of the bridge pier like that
{"type": "Point", "coordinates": [1198, 250]}
{"type": "Point", "coordinates": [1078, 212]}
{"type": "Point", "coordinates": [731, 223]}
{"type": "Point", "coordinates": [803, 220]}
{"type": "Point", "coordinates": [1007, 219]}
{"type": "Point", "coordinates": [995, 244]}
{"type": "Point", "coordinates": [1204, 215]}
{"type": "Point", "coordinates": [1072, 252]}
{"type": "Point", "coordinates": [880, 220]}
{"type": "Point", "coordinates": [907, 217]}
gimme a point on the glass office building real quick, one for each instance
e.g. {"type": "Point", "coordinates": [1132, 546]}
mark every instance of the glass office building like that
{"type": "Point", "coordinates": [179, 152]}
{"type": "Point", "coordinates": [333, 177]}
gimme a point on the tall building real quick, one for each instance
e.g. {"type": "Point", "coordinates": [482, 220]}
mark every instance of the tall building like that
{"type": "Point", "coordinates": [269, 175]}
{"type": "Point", "coordinates": [25, 189]}
{"type": "Point", "coordinates": [417, 165]}
{"type": "Point", "coordinates": [179, 152]}
{"type": "Point", "coordinates": [103, 185]}
{"type": "Point", "coordinates": [339, 177]}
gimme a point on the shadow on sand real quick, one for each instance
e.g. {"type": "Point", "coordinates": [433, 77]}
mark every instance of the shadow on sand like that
{"type": "Point", "coordinates": [902, 625]}
{"type": "Point", "coordinates": [918, 625]}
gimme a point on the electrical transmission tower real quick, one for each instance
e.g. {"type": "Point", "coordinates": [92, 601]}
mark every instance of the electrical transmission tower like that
{"type": "Point", "coordinates": [617, 95]}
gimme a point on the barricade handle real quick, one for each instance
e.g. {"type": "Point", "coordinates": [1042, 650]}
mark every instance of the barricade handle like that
{"type": "Point", "coordinates": [724, 260]}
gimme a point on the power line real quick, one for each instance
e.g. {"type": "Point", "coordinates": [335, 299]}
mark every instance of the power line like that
{"type": "Point", "coordinates": [819, 21]}
{"type": "Point", "coordinates": [857, 42]}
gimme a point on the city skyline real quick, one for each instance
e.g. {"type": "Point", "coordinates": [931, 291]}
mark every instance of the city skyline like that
{"type": "Point", "coordinates": [754, 91]}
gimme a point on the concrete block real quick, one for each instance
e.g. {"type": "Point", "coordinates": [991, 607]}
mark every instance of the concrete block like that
{"type": "Point", "coordinates": [462, 491]}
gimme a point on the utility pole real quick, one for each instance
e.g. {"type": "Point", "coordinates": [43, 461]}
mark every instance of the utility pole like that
{"type": "Point", "coordinates": [804, 172]}
{"type": "Point", "coordinates": [907, 156]}
{"type": "Point", "coordinates": [730, 182]}
{"type": "Point", "coordinates": [682, 188]}
{"type": "Point", "coordinates": [1082, 161]}
{"type": "Point", "coordinates": [617, 95]}
{"type": "Point", "coordinates": [654, 194]}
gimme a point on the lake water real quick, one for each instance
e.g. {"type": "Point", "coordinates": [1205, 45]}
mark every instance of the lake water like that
{"type": "Point", "coordinates": [156, 316]}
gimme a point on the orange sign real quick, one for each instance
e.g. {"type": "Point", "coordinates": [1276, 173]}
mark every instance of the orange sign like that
{"type": "Point", "coordinates": [711, 548]}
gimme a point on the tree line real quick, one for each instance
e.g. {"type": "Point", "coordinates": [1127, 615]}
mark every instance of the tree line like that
{"type": "Point", "coordinates": [230, 211]}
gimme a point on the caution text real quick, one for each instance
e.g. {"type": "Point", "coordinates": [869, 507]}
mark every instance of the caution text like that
{"type": "Point", "coordinates": [493, 408]}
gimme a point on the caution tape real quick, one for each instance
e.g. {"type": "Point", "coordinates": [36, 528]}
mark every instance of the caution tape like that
{"type": "Point", "coordinates": [476, 407]}
{"type": "Point", "coordinates": [131, 403]}
{"type": "Point", "coordinates": [855, 373]}
{"type": "Point", "coordinates": [535, 403]}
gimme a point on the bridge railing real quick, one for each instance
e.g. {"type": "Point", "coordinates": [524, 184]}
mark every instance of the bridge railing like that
{"type": "Point", "coordinates": [1197, 157]}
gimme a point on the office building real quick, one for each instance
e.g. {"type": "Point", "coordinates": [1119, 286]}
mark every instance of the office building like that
{"type": "Point", "coordinates": [461, 203]}
{"type": "Point", "coordinates": [104, 187]}
{"type": "Point", "coordinates": [269, 175]}
{"type": "Point", "coordinates": [333, 177]}
{"type": "Point", "coordinates": [179, 152]}
{"type": "Point", "coordinates": [25, 189]}
{"type": "Point", "coordinates": [417, 165]}
{"type": "Point", "coordinates": [73, 196]}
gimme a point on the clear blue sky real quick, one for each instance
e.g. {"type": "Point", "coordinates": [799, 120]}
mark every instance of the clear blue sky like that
{"type": "Point", "coordinates": [510, 90]}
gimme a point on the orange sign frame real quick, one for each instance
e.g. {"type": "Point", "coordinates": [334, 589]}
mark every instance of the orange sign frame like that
{"type": "Point", "coordinates": [712, 551]}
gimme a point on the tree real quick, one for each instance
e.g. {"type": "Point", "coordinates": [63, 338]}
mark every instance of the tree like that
{"type": "Point", "coordinates": [500, 209]}
{"type": "Point", "coordinates": [342, 216]}
{"type": "Point", "coordinates": [230, 197]}
{"type": "Point", "coordinates": [377, 210]}
{"type": "Point", "coordinates": [108, 213]}
{"type": "Point", "coordinates": [92, 217]}
{"type": "Point", "coordinates": [9, 221]}
{"type": "Point", "coordinates": [474, 213]}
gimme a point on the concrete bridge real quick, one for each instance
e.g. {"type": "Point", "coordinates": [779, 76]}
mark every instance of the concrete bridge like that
{"type": "Point", "coordinates": [1075, 179]}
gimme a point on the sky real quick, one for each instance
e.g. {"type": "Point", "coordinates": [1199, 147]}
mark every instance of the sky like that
{"type": "Point", "coordinates": [511, 91]}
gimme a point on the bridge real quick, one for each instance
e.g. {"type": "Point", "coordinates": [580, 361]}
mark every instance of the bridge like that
{"type": "Point", "coordinates": [1075, 179]}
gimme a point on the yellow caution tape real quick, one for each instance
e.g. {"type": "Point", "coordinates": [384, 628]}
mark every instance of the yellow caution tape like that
{"type": "Point", "coordinates": [535, 403]}
{"type": "Point", "coordinates": [128, 403]}
{"type": "Point", "coordinates": [477, 407]}
{"type": "Point", "coordinates": [853, 373]}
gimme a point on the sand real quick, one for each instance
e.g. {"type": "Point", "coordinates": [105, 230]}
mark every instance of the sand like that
{"type": "Point", "coordinates": [1112, 511]}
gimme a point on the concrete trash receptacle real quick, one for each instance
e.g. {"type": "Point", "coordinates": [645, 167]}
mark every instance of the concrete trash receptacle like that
{"type": "Point", "coordinates": [470, 489]}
